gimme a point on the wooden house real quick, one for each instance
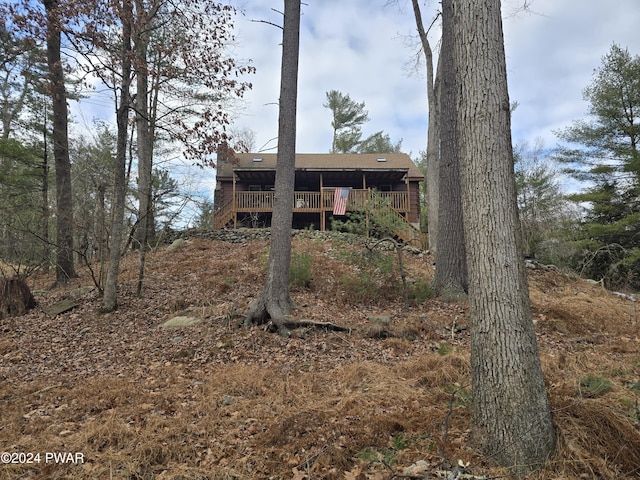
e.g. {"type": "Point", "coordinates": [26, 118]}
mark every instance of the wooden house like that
{"type": "Point", "coordinates": [244, 188]}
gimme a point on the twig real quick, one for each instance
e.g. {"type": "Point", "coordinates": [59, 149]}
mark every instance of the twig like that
{"type": "Point", "coordinates": [308, 463]}
{"type": "Point", "coordinates": [343, 339]}
{"type": "Point", "coordinates": [10, 399]}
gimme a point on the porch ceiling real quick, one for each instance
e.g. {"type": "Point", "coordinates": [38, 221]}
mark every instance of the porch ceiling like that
{"type": "Point", "coordinates": [329, 177]}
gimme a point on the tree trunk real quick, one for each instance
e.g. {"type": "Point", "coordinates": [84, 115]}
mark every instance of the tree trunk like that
{"type": "Point", "coordinates": [451, 280]}
{"type": "Point", "coordinates": [15, 297]}
{"type": "Point", "coordinates": [511, 416]}
{"type": "Point", "coordinates": [64, 204]}
{"type": "Point", "coordinates": [46, 245]}
{"type": "Point", "coordinates": [274, 302]}
{"type": "Point", "coordinates": [110, 297]}
{"type": "Point", "coordinates": [433, 132]}
{"type": "Point", "coordinates": [145, 142]}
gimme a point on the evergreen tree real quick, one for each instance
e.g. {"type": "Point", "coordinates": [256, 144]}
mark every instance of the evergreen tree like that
{"type": "Point", "coordinates": [348, 118]}
{"type": "Point", "coordinates": [608, 143]}
{"type": "Point", "coordinates": [605, 153]}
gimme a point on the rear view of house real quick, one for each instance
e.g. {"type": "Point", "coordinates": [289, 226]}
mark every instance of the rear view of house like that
{"type": "Point", "coordinates": [326, 185]}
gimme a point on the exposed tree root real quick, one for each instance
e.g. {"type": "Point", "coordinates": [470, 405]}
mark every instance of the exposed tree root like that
{"type": "Point", "coordinates": [276, 317]}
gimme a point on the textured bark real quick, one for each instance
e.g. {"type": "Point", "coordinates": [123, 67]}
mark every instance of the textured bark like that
{"type": "Point", "coordinates": [15, 297]}
{"type": "Point", "coordinates": [64, 204]}
{"type": "Point", "coordinates": [46, 245]}
{"type": "Point", "coordinates": [451, 280]}
{"type": "Point", "coordinates": [110, 297]}
{"type": "Point", "coordinates": [511, 416]}
{"type": "Point", "coordinates": [433, 132]}
{"type": "Point", "coordinates": [274, 302]}
{"type": "Point", "coordinates": [145, 140]}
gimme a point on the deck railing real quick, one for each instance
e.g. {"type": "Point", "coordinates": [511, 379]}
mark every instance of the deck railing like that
{"type": "Point", "coordinates": [316, 202]}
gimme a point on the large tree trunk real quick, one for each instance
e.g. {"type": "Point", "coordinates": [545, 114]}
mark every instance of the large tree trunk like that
{"type": "Point", "coordinates": [451, 279]}
{"type": "Point", "coordinates": [110, 297]}
{"type": "Point", "coordinates": [511, 416]}
{"type": "Point", "coordinates": [274, 302]}
{"type": "Point", "coordinates": [433, 132]}
{"type": "Point", "coordinates": [64, 205]}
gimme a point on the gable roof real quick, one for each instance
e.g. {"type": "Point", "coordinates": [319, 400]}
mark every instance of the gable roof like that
{"type": "Point", "coordinates": [324, 162]}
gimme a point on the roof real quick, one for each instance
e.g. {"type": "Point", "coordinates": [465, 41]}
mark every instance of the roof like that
{"type": "Point", "coordinates": [325, 162]}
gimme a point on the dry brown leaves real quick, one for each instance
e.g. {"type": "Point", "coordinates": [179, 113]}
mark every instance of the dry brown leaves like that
{"type": "Point", "coordinates": [217, 402]}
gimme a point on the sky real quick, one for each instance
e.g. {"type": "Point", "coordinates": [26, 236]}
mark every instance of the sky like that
{"type": "Point", "coordinates": [367, 49]}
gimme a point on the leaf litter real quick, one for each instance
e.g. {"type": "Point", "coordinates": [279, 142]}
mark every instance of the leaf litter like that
{"type": "Point", "coordinates": [214, 401]}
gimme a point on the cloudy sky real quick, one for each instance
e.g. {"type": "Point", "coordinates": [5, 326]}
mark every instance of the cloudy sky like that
{"type": "Point", "coordinates": [364, 48]}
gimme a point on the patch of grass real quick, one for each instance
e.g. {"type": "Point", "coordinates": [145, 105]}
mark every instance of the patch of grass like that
{"type": "Point", "coordinates": [369, 454]}
{"type": "Point", "coordinates": [388, 456]}
{"type": "Point", "coordinates": [593, 386]}
{"type": "Point", "coordinates": [401, 441]}
{"type": "Point", "coordinates": [444, 349]}
{"type": "Point", "coordinates": [420, 291]}
{"type": "Point", "coordinates": [300, 270]}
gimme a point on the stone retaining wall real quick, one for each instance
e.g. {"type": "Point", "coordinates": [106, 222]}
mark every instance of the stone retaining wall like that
{"type": "Point", "coordinates": [243, 235]}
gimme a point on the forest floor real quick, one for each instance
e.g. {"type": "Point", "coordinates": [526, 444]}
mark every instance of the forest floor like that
{"type": "Point", "coordinates": [117, 397]}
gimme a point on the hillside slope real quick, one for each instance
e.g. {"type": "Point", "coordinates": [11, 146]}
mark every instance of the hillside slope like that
{"type": "Point", "coordinates": [214, 401]}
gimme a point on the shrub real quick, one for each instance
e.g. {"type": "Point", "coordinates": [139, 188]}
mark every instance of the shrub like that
{"type": "Point", "coordinates": [592, 386]}
{"type": "Point", "coordinates": [300, 270]}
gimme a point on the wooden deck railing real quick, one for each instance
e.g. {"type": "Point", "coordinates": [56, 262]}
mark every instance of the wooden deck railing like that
{"type": "Point", "coordinates": [315, 202]}
{"type": "Point", "coordinates": [397, 203]}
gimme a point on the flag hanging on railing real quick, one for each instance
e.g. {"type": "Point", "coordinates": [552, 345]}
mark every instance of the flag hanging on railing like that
{"type": "Point", "coordinates": [340, 200]}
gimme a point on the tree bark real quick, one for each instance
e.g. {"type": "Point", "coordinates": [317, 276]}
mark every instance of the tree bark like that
{"type": "Point", "coordinates": [433, 132]}
{"type": "Point", "coordinates": [46, 245]}
{"type": "Point", "coordinates": [511, 416]}
{"type": "Point", "coordinates": [64, 203]}
{"type": "Point", "coordinates": [145, 141]}
{"type": "Point", "coordinates": [110, 297]}
{"type": "Point", "coordinates": [274, 302]}
{"type": "Point", "coordinates": [451, 279]}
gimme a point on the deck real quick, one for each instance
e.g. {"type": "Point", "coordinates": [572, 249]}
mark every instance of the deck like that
{"type": "Point", "coordinates": [317, 202]}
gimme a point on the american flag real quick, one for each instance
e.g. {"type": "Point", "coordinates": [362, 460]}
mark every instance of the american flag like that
{"type": "Point", "coordinates": [340, 200]}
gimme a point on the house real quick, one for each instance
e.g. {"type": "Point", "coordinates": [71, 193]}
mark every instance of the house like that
{"type": "Point", "coordinates": [244, 188]}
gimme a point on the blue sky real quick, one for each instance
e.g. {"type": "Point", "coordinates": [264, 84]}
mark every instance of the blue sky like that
{"type": "Point", "coordinates": [363, 48]}
{"type": "Point", "coordinates": [367, 49]}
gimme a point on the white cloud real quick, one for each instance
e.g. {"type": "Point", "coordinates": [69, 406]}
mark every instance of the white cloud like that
{"type": "Point", "coordinates": [357, 47]}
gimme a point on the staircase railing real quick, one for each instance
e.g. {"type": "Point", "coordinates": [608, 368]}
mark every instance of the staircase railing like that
{"type": "Point", "coordinates": [398, 223]}
{"type": "Point", "coordinates": [223, 215]}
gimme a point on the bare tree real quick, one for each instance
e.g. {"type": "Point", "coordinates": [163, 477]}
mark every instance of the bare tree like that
{"type": "Point", "coordinates": [64, 204]}
{"type": "Point", "coordinates": [110, 297]}
{"type": "Point", "coordinates": [144, 17]}
{"type": "Point", "coordinates": [433, 132]}
{"type": "Point", "coordinates": [451, 278]}
{"type": "Point", "coordinates": [511, 415]}
{"type": "Point", "coordinates": [274, 302]}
